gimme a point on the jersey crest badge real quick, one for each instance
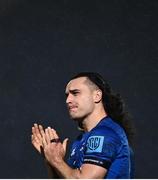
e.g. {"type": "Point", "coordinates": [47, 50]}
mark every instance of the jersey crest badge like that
{"type": "Point", "coordinates": [95, 144]}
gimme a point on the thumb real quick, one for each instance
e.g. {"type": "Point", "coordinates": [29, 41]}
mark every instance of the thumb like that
{"type": "Point", "coordinates": [65, 144]}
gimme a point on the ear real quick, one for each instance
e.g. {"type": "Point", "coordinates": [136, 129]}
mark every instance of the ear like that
{"type": "Point", "coordinates": [97, 96]}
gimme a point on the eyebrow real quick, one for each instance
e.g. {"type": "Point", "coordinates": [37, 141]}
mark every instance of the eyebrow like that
{"type": "Point", "coordinates": [72, 91]}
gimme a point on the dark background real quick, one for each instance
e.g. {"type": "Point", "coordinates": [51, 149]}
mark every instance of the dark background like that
{"type": "Point", "coordinates": [44, 43]}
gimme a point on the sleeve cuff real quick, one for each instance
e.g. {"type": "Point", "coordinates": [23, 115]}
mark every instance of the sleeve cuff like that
{"type": "Point", "coordinates": [92, 160]}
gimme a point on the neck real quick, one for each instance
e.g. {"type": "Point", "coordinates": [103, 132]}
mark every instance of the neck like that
{"type": "Point", "coordinates": [93, 119]}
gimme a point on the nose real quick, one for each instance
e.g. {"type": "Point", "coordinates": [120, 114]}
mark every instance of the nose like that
{"type": "Point", "coordinates": [69, 98]}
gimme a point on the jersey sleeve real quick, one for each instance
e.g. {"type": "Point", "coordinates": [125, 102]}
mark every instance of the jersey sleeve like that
{"type": "Point", "coordinates": [101, 148]}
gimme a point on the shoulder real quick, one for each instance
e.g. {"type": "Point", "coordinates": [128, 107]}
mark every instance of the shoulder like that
{"type": "Point", "coordinates": [105, 129]}
{"type": "Point", "coordinates": [109, 129]}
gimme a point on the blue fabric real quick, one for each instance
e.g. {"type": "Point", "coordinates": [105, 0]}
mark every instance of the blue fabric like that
{"type": "Point", "coordinates": [105, 145]}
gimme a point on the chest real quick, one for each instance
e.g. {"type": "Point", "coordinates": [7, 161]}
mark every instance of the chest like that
{"type": "Point", "coordinates": [77, 153]}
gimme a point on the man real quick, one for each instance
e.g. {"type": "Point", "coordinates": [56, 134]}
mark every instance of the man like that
{"type": "Point", "coordinates": [103, 149]}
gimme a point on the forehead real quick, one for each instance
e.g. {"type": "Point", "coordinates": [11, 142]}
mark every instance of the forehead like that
{"type": "Point", "coordinates": [77, 83]}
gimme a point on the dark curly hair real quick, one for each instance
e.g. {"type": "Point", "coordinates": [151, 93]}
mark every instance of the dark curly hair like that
{"type": "Point", "coordinates": [112, 102]}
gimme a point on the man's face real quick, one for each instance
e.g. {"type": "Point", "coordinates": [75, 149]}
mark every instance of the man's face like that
{"type": "Point", "coordinates": [79, 98]}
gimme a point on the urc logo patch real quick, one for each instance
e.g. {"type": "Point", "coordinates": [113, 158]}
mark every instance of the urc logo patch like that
{"type": "Point", "coordinates": [95, 144]}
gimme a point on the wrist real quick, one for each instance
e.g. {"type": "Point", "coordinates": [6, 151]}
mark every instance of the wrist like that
{"type": "Point", "coordinates": [56, 162]}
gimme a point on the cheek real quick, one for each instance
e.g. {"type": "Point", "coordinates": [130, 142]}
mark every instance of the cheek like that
{"type": "Point", "coordinates": [87, 103]}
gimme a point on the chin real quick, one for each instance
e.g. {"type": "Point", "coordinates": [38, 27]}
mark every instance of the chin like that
{"type": "Point", "coordinates": [75, 118]}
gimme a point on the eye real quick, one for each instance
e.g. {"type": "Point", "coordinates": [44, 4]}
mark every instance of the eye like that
{"type": "Point", "coordinates": [75, 93]}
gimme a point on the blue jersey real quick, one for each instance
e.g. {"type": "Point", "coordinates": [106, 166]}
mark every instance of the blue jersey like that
{"type": "Point", "coordinates": [106, 145]}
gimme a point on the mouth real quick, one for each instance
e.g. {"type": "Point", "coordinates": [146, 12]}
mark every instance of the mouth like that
{"type": "Point", "coordinates": [72, 108]}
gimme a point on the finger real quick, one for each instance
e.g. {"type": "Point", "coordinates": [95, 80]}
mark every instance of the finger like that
{"type": "Point", "coordinates": [51, 134]}
{"type": "Point", "coordinates": [36, 143]}
{"type": "Point", "coordinates": [65, 142]}
{"type": "Point", "coordinates": [48, 138]}
{"type": "Point", "coordinates": [32, 138]}
{"type": "Point", "coordinates": [44, 142]}
{"type": "Point", "coordinates": [41, 130]}
{"type": "Point", "coordinates": [55, 133]}
{"type": "Point", "coordinates": [35, 131]}
{"type": "Point", "coordinates": [33, 135]}
{"type": "Point", "coordinates": [36, 128]}
{"type": "Point", "coordinates": [43, 135]}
